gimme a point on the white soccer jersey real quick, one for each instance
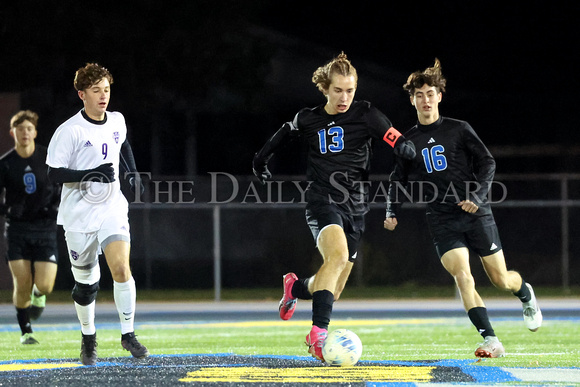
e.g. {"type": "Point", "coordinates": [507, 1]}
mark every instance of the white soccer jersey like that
{"type": "Point", "coordinates": [80, 144]}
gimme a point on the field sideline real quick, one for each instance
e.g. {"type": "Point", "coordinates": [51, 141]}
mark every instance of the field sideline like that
{"type": "Point", "coordinates": [405, 341]}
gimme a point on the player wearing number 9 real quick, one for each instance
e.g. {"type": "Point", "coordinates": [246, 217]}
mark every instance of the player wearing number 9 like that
{"type": "Point", "coordinates": [85, 155]}
{"type": "Point", "coordinates": [339, 135]}
{"type": "Point", "coordinates": [30, 207]}
{"type": "Point", "coordinates": [459, 170]}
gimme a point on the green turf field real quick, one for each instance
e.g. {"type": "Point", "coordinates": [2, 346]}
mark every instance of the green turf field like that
{"type": "Point", "coordinates": [556, 344]}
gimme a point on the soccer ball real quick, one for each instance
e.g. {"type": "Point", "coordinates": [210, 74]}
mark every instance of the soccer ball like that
{"type": "Point", "coordinates": [342, 348]}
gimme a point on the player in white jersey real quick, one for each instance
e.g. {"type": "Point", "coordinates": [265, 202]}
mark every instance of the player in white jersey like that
{"type": "Point", "coordinates": [84, 155]}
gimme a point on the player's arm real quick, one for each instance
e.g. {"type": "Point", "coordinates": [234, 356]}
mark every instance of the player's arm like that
{"type": "Point", "coordinates": [104, 173]}
{"type": "Point", "coordinates": [130, 167]}
{"type": "Point", "coordinates": [483, 166]}
{"type": "Point", "coordinates": [260, 162]}
{"type": "Point", "coordinates": [397, 180]}
{"type": "Point", "coordinates": [383, 128]}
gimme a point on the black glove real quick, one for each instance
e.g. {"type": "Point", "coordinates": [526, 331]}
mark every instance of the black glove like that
{"type": "Point", "coordinates": [16, 211]}
{"type": "Point", "coordinates": [133, 182]}
{"type": "Point", "coordinates": [260, 168]}
{"type": "Point", "coordinates": [405, 149]}
{"type": "Point", "coordinates": [104, 173]}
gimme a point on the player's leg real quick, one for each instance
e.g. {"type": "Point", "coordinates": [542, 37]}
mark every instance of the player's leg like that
{"type": "Point", "coordinates": [115, 241]}
{"type": "Point", "coordinates": [341, 283]}
{"type": "Point", "coordinates": [83, 249]}
{"type": "Point", "coordinates": [21, 271]}
{"type": "Point", "coordinates": [333, 246]}
{"type": "Point", "coordinates": [486, 242]}
{"type": "Point", "coordinates": [44, 277]}
{"type": "Point", "coordinates": [456, 262]}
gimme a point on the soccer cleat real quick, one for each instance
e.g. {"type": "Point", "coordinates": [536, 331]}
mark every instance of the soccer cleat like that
{"type": "Point", "coordinates": [27, 338]}
{"type": "Point", "coordinates": [89, 349]}
{"type": "Point", "coordinates": [287, 303]}
{"type": "Point", "coordinates": [491, 347]}
{"type": "Point", "coordinates": [315, 340]}
{"type": "Point", "coordinates": [130, 343]}
{"type": "Point", "coordinates": [532, 312]}
{"type": "Point", "coordinates": [37, 304]}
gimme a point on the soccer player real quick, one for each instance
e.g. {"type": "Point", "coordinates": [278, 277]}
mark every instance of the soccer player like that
{"type": "Point", "coordinates": [30, 207]}
{"type": "Point", "coordinates": [84, 155]}
{"type": "Point", "coordinates": [460, 170]}
{"type": "Point", "coordinates": [339, 134]}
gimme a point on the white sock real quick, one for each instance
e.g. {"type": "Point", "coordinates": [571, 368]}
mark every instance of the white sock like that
{"type": "Point", "coordinates": [36, 291]}
{"type": "Point", "coordinates": [125, 300]}
{"type": "Point", "coordinates": [86, 315]}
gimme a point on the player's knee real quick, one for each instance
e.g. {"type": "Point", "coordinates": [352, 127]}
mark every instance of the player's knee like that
{"type": "Point", "coordinates": [84, 294]}
{"type": "Point", "coordinates": [464, 279]}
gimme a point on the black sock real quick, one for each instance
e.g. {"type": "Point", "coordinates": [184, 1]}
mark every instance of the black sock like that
{"type": "Point", "coordinates": [300, 289]}
{"type": "Point", "coordinates": [322, 301]}
{"type": "Point", "coordinates": [23, 320]}
{"type": "Point", "coordinates": [524, 293]}
{"type": "Point", "coordinates": [480, 320]}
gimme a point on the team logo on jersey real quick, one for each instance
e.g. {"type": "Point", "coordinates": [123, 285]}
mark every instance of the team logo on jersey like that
{"type": "Point", "coordinates": [331, 123]}
{"type": "Point", "coordinates": [116, 137]}
{"type": "Point", "coordinates": [74, 255]}
{"type": "Point", "coordinates": [431, 141]}
{"type": "Point", "coordinates": [28, 168]}
{"type": "Point", "coordinates": [87, 144]}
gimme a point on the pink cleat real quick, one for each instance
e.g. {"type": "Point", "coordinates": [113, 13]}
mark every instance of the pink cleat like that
{"type": "Point", "coordinates": [288, 303]}
{"type": "Point", "coordinates": [315, 341]}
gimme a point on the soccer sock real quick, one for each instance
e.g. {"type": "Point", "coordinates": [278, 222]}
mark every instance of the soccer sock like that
{"type": "Point", "coordinates": [86, 315]}
{"type": "Point", "coordinates": [524, 293]}
{"type": "Point", "coordinates": [480, 320]}
{"type": "Point", "coordinates": [125, 300]}
{"type": "Point", "coordinates": [23, 320]}
{"type": "Point", "coordinates": [300, 289]}
{"type": "Point", "coordinates": [322, 301]}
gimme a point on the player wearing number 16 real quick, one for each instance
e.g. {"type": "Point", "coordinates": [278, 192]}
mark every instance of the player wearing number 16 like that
{"type": "Point", "coordinates": [339, 134]}
{"type": "Point", "coordinates": [84, 154]}
{"type": "Point", "coordinates": [459, 169]}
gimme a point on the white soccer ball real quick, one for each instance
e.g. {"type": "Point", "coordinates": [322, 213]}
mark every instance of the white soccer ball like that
{"type": "Point", "coordinates": [342, 348]}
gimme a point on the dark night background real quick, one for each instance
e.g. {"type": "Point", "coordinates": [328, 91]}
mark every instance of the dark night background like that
{"type": "Point", "coordinates": [202, 84]}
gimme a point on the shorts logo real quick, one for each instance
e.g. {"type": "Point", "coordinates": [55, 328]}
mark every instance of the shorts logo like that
{"type": "Point", "coordinates": [74, 255]}
{"type": "Point", "coordinates": [493, 246]}
{"type": "Point", "coordinates": [116, 137]}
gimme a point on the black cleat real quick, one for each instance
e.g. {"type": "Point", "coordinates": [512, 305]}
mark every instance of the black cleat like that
{"type": "Point", "coordinates": [89, 349]}
{"type": "Point", "coordinates": [130, 343]}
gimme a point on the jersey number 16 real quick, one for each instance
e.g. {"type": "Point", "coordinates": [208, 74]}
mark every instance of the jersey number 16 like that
{"type": "Point", "coordinates": [434, 158]}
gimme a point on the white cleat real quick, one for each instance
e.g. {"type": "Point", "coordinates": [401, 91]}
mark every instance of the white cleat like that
{"type": "Point", "coordinates": [491, 347]}
{"type": "Point", "coordinates": [532, 313]}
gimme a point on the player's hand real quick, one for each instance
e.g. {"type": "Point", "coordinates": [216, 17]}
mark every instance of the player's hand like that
{"type": "Point", "coordinates": [390, 223]}
{"type": "Point", "coordinates": [468, 206]}
{"type": "Point", "coordinates": [405, 149]}
{"type": "Point", "coordinates": [260, 168]}
{"type": "Point", "coordinates": [104, 173]}
{"type": "Point", "coordinates": [133, 182]}
{"type": "Point", "coordinates": [16, 211]}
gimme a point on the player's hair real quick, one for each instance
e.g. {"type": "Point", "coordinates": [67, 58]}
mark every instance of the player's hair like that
{"type": "Point", "coordinates": [90, 75]}
{"type": "Point", "coordinates": [431, 76]}
{"type": "Point", "coordinates": [339, 65]}
{"type": "Point", "coordinates": [22, 116]}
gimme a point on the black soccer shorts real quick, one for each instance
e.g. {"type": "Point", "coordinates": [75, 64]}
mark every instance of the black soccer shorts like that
{"type": "Point", "coordinates": [33, 245]}
{"type": "Point", "coordinates": [477, 233]}
{"type": "Point", "coordinates": [319, 215]}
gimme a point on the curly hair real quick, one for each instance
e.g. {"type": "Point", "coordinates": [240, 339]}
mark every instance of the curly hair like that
{"type": "Point", "coordinates": [22, 116]}
{"type": "Point", "coordinates": [431, 76]}
{"type": "Point", "coordinates": [322, 77]}
{"type": "Point", "coordinates": [90, 75]}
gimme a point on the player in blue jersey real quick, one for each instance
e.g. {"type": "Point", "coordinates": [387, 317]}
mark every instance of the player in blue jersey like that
{"type": "Point", "coordinates": [30, 207]}
{"type": "Point", "coordinates": [339, 135]}
{"type": "Point", "coordinates": [460, 170]}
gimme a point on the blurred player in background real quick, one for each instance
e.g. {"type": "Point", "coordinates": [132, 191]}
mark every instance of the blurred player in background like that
{"type": "Point", "coordinates": [460, 169]}
{"type": "Point", "coordinates": [84, 154]}
{"type": "Point", "coordinates": [339, 134]}
{"type": "Point", "coordinates": [30, 208]}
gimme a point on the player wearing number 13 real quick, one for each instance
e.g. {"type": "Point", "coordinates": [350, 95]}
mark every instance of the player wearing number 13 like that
{"type": "Point", "coordinates": [339, 135]}
{"type": "Point", "coordinates": [84, 154]}
{"type": "Point", "coordinates": [460, 169]}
